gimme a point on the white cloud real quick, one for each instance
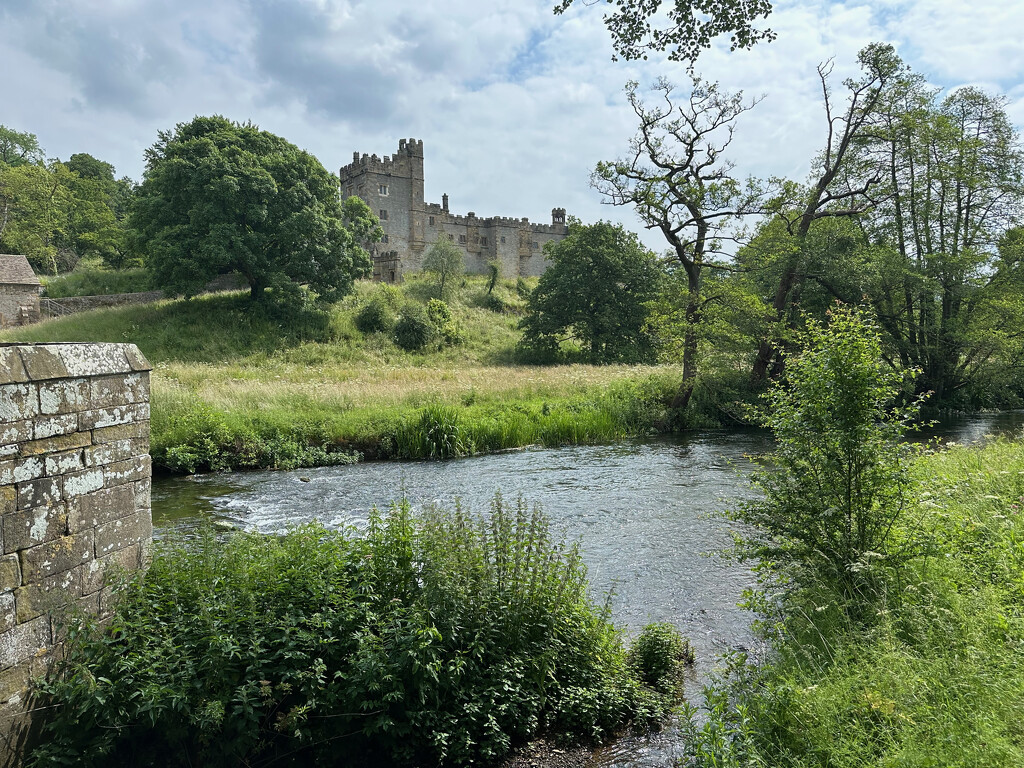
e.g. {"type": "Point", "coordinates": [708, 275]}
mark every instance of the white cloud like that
{"type": "Point", "coordinates": [515, 104]}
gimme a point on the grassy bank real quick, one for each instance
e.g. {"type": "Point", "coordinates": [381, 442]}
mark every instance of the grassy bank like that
{"type": "Point", "coordinates": [933, 678]}
{"type": "Point", "coordinates": [237, 385]}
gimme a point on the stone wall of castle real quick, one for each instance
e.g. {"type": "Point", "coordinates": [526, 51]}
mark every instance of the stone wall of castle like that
{"type": "Point", "coordinates": [74, 498]}
{"type": "Point", "coordinates": [393, 188]}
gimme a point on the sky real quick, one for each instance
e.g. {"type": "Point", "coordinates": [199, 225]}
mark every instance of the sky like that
{"type": "Point", "coordinates": [514, 104]}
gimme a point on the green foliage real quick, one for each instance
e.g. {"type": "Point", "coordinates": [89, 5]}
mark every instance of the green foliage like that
{"type": "Point", "coordinates": [493, 275]}
{"type": "Point", "coordinates": [414, 331]}
{"type": "Point", "coordinates": [437, 433]}
{"type": "Point", "coordinates": [594, 292]}
{"type": "Point", "coordinates": [17, 148]}
{"type": "Point", "coordinates": [682, 28]}
{"type": "Point", "coordinates": [934, 680]}
{"type": "Point", "coordinates": [376, 316]}
{"type": "Point", "coordinates": [837, 483]}
{"type": "Point", "coordinates": [435, 638]}
{"type": "Point", "coordinates": [220, 197]}
{"type": "Point", "coordinates": [447, 327]}
{"type": "Point", "coordinates": [92, 281]}
{"type": "Point", "coordinates": [37, 205]}
{"type": "Point", "coordinates": [660, 655]}
{"type": "Point", "coordinates": [444, 260]}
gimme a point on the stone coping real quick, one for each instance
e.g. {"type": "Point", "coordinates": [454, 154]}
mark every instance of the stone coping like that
{"type": "Point", "coordinates": [54, 360]}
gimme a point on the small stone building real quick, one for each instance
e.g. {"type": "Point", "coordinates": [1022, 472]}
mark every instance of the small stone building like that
{"type": "Point", "coordinates": [19, 292]}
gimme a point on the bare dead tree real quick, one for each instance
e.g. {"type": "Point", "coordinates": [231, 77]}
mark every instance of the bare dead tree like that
{"type": "Point", "coordinates": [677, 179]}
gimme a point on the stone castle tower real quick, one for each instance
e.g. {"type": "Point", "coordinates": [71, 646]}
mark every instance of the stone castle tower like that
{"type": "Point", "coordinates": [393, 188]}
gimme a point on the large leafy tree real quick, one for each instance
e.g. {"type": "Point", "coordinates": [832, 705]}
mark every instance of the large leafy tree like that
{"type": "Point", "coordinates": [595, 292]}
{"type": "Point", "coordinates": [680, 28]}
{"type": "Point", "coordinates": [221, 197]}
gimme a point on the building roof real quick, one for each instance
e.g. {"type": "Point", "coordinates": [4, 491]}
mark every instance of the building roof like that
{"type": "Point", "coordinates": [16, 270]}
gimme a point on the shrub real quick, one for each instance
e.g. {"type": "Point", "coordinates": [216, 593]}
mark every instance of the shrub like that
{"type": "Point", "coordinates": [376, 316]}
{"type": "Point", "coordinates": [414, 331]}
{"type": "Point", "coordinates": [435, 638]}
{"type": "Point", "coordinates": [660, 655]}
{"type": "Point", "coordinates": [440, 315]}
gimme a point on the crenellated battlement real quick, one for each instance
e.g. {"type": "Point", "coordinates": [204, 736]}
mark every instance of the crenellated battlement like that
{"type": "Point", "coordinates": [397, 164]}
{"type": "Point", "coordinates": [393, 186]}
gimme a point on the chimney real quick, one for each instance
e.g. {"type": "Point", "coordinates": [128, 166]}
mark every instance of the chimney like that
{"type": "Point", "coordinates": [444, 202]}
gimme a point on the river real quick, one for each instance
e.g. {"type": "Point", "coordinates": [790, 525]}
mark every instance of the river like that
{"type": "Point", "coordinates": [644, 512]}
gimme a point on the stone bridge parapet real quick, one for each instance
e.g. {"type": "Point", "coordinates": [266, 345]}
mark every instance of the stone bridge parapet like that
{"type": "Point", "coordinates": [74, 497]}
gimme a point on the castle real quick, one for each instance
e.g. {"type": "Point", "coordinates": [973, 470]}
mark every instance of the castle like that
{"type": "Point", "coordinates": [393, 188]}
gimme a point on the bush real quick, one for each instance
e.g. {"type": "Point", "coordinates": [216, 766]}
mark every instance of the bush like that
{"type": "Point", "coordinates": [440, 315]}
{"type": "Point", "coordinates": [436, 638]}
{"type": "Point", "coordinates": [659, 656]}
{"type": "Point", "coordinates": [375, 317]}
{"type": "Point", "coordinates": [414, 331]}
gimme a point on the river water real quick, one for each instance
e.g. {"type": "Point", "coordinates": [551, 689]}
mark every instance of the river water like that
{"type": "Point", "coordinates": [643, 512]}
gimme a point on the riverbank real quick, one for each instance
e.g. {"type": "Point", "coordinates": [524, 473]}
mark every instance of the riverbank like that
{"type": "Point", "coordinates": [243, 386]}
{"type": "Point", "coordinates": [932, 677]}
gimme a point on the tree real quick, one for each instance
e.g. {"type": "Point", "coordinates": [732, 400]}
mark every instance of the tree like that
{"type": "Point", "coordinates": [444, 260]}
{"type": "Point", "coordinates": [595, 292]}
{"type": "Point", "coordinates": [18, 148]}
{"type": "Point", "coordinates": [678, 182]}
{"type": "Point", "coordinates": [220, 197]}
{"type": "Point", "coordinates": [95, 226]}
{"type": "Point", "coordinates": [684, 28]}
{"type": "Point", "coordinates": [838, 481]}
{"type": "Point", "coordinates": [844, 182]}
{"type": "Point", "coordinates": [34, 213]}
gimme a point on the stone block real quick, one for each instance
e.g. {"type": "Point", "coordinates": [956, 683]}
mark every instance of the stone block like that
{"type": "Point", "coordinates": [10, 572]}
{"type": "Point", "coordinates": [55, 556]}
{"type": "Point", "coordinates": [38, 493]}
{"type": "Point", "coordinates": [96, 574]}
{"type": "Point", "coordinates": [8, 499]}
{"type": "Point", "coordinates": [130, 471]}
{"type": "Point", "coordinates": [14, 682]}
{"type": "Point", "coordinates": [18, 402]}
{"type": "Point", "coordinates": [14, 432]}
{"type": "Point", "coordinates": [134, 431]}
{"type": "Point", "coordinates": [29, 527]}
{"type": "Point", "coordinates": [143, 494]}
{"type": "Point", "coordinates": [108, 417]}
{"type": "Point", "coordinates": [11, 369]}
{"type": "Point", "coordinates": [63, 396]}
{"type": "Point", "coordinates": [94, 359]}
{"type": "Point", "coordinates": [55, 444]}
{"type": "Point", "coordinates": [90, 604]}
{"type": "Point", "coordinates": [136, 359]}
{"type": "Point", "coordinates": [8, 611]}
{"type": "Point", "coordinates": [49, 426]}
{"type": "Point", "coordinates": [51, 594]}
{"type": "Point", "coordinates": [101, 506]}
{"type": "Point", "coordinates": [116, 450]}
{"type": "Point", "coordinates": [25, 641]}
{"type": "Point", "coordinates": [79, 483]}
{"type": "Point", "coordinates": [122, 533]}
{"type": "Point", "coordinates": [21, 470]}
{"type": "Point", "coordinates": [7, 451]}
{"type": "Point", "coordinates": [62, 463]}
{"type": "Point", "coordinates": [43, 363]}
{"type": "Point", "coordinates": [108, 391]}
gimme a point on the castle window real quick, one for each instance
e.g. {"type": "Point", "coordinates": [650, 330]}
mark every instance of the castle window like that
{"type": "Point", "coordinates": [483, 241]}
{"type": "Point", "coordinates": [451, 237]}
{"type": "Point", "coordinates": [383, 190]}
{"type": "Point", "coordinates": [462, 238]}
{"type": "Point", "coordinates": [383, 215]}
{"type": "Point", "coordinates": [386, 240]}
{"type": "Point", "coordinates": [503, 238]}
{"type": "Point", "coordinates": [431, 221]}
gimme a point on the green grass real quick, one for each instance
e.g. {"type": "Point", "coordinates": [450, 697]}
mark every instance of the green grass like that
{"type": "Point", "coordinates": [97, 281]}
{"type": "Point", "coordinates": [936, 678]}
{"type": "Point", "coordinates": [237, 385]}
